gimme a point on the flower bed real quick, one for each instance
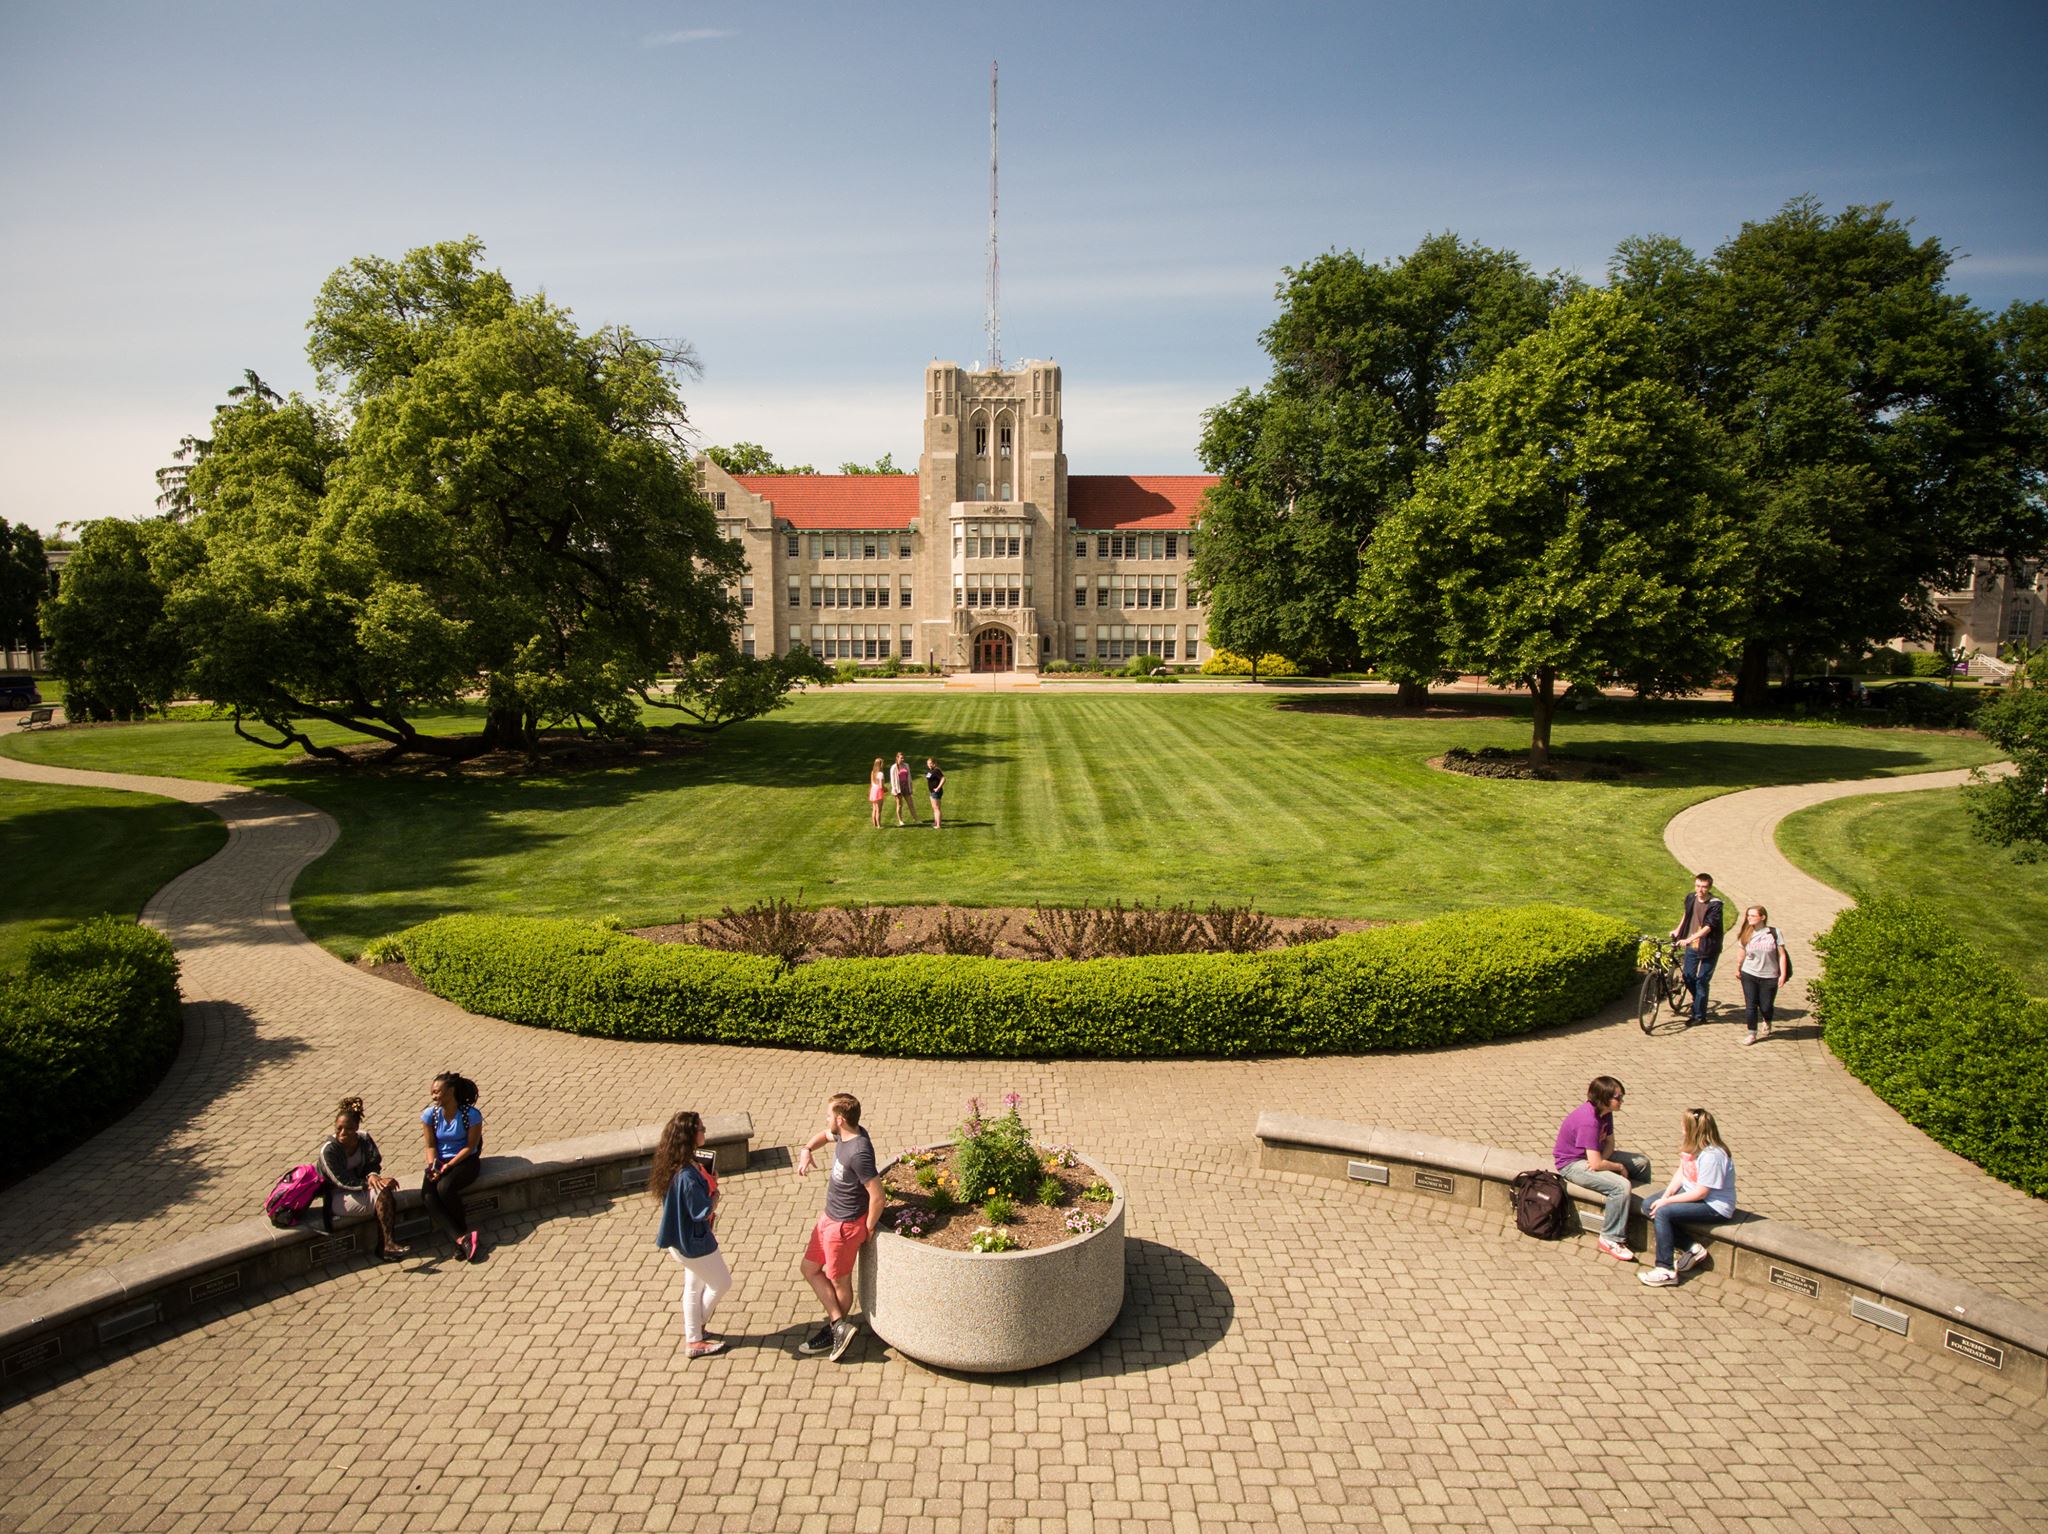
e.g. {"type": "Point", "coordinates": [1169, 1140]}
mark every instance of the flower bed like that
{"type": "Point", "coordinates": [995, 1292]}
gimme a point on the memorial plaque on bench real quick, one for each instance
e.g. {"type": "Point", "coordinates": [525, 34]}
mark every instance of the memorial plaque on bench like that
{"type": "Point", "coordinates": [1798, 1283]}
{"type": "Point", "coordinates": [34, 1356]}
{"type": "Point", "coordinates": [573, 1183]}
{"type": "Point", "coordinates": [327, 1248]}
{"type": "Point", "coordinates": [488, 1204]}
{"type": "Point", "coordinates": [1972, 1349]}
{"type": "Point", "coordinates": [133, 1319]}
{"type": "Point", "coordinates": [1436, 1182]}
{"type": "Point", "coordinates": [1365, 1171]}
{"type": "Point", "coordinates": [213, 1288]}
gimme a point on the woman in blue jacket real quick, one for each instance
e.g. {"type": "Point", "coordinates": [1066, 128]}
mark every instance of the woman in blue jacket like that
{"type": "Point", "coordinates": [688, 1190]}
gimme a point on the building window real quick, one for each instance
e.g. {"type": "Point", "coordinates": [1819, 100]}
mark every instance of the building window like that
{"type": "Point", "coordinates": [981, 442]}
{"type": "Point", "coordinates": [829, 549]}
{"type": "Point", "coordinates": [903, 594]}
{"type": "Point", "coordinates": [747, 641]}
{"type": "Point", "coordinates": [1080, 591]}
{"type": "Point", "coordinates": [793, 541]}
{"type": "Point", "coordinates": [1006, 490]}
{"type": "Point", "coordinates": [2019, 623]}
{"type": "Point", "coordinates": [1003, 443]}
{"type": "Point", "coordinates": [981, 489]}
{"type": "Point", "coordinates": [747, 591]}
{"type": "Point", "coordinates": [796, 591]}
{"type": "Point", "coordinates": [1173, 545]}
{"type": "Point", "coordinates": [903, 547]}
{"type": "Point", "coordinates": [718, 500]}
{"type": "Point", "coordinates": [1080, 548]}
{"type": "Point", "coordinates": [1081, 642]}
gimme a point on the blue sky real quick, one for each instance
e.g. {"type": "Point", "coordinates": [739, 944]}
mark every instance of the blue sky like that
{"type": "Point", "coordinates": [800, 190]}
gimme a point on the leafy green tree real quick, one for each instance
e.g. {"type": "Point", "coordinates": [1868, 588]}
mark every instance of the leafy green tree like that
{"type": "Point", "coordinates": [1310, 463]}
{"type": "Point", "coordinates": [1574, 529]}
{"type": "Point", "coordinates": [506, 511]}
{"type": "Point", "coordinates": [110, 638]}
{"type": "Point", "coordinates": [1874, 416]}
{"type": "Point", "coordinates": [24, 583]}
{"type": "Point", "coordinates": [752, 458]}
{"type": "Point", "coordinates": [886, 464]}
{"type": "Point", "coordinates": [2012, 811]}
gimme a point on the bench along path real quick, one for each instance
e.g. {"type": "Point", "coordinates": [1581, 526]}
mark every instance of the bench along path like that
{"type": "Point", "coordinates": [277, 1029]}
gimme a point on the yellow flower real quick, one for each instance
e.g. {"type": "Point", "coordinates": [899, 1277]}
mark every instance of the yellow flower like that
{"type": "Point", "coordinates": [990, 1194]}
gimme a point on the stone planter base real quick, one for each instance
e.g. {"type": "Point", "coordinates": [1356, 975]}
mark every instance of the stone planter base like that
{"type": "Point", "coordinates": [995, 1312]}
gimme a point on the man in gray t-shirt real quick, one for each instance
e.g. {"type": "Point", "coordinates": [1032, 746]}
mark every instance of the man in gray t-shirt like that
{"type": "Point", "coordinates": [853, 1208]}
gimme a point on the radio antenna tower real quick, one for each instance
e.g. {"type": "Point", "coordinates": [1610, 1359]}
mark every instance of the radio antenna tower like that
{"type": "Point", "coordinates": [995, 262]}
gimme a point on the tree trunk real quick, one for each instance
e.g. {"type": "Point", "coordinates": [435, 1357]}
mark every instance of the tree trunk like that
{"type": "Point", "coordinates": [1412, 695]}
{"type": "Point", "coordinates": [1543, 690]}
{"type": "Point", "coordinates": [505, 730]}
{"type": "Point", "coordinates": [1753, 675]}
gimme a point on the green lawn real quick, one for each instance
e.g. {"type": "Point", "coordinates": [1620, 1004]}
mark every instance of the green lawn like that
{"type": "Point", "coordinates": [71, 853]}
{"type": "Point", "coordinates": [1292, 803]}
{"type": "Point", "coordinates": [1920, 845]}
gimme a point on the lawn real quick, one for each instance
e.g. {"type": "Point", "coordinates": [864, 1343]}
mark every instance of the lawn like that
{"type": "Point", "coordinates": [71, 853]}
{"type": "Point", "coordinates": [1920, 845]}
{"type": "Point", "coordinates": [1294, 803]}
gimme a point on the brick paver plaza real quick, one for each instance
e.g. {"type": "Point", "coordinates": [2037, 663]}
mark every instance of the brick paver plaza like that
{"type": "Point", "coordinates": [1291, 1354]}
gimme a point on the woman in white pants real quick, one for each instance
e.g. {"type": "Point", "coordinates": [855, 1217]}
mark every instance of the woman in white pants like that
{"type": "Point", "coordinates": [688, 1190]}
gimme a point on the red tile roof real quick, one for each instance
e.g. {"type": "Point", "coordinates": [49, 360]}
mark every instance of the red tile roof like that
{"type": "Point", "coordinates": [827, 501]}
{"type": "Point", "coordinates": [860, 501]}
{"type": "Point", "coordinates": [1136, 500]}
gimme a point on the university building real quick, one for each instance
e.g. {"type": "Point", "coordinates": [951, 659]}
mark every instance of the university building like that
{"type": "Point", "coordinates": [989, 558]}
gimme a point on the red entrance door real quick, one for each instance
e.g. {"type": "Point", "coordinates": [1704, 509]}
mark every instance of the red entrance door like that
{"type": "Point", "coordinates": [994, 650]}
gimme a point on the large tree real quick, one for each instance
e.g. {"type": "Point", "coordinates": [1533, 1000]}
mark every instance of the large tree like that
{"type": "Point", "coordinates": [1871, 413]}
{"type": "Point", "coordinates": [504, 508]}
{"type": "Point", "coordinates": [2012, 811]}
{"type": "Point", "coordinates": [1309, 464]}
{"type": "Point", "coordinates": [111, 639]}
{"type": "Point", "coordinates": [752, 458]}
{"type": "Point", "coordinates": [1574, 529]}
{"type": "Point", "coordinates": [24, 583]}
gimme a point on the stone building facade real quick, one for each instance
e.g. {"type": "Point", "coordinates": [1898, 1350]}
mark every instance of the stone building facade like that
{"type": "Point", "coordinates": [990, 558]}
{"type": "Point", "coordinates": [1993, 609]}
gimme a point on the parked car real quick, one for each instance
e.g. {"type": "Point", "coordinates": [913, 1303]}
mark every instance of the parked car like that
{"type": "Point", "coordinates": [1826, 691]}
{"type": "Point", "coordinates": [1928, 702]}
{"type": "Point", "coordinates": [18, 690]}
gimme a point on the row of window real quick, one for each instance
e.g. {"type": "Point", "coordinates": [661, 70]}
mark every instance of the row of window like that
{"type": "Point", "coordinates": [850, 590]}
{"type": "Point", "coordinates": [854, 641]}
{"type": "Point", "coordinates": [1134, 545]}
{"type": "Point", "coordinates": [998, 589]}
{"type": "Point", "coordinates": [1122, 641]}
{"type": "Point", "coordinates": [876, 545]}
{"type": "Point", "coordinates": [991, 540]}
{"type": "Point", "coordinates": [1154, 591]}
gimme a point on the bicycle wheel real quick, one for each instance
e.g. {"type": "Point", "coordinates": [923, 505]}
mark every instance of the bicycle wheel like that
{"type": "Point", "coordinates": [1679, 994]}
{"type": "Point", "coordinates": [1647, 999]}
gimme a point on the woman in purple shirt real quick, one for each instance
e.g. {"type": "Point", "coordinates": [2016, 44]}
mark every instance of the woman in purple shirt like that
{"type": "Point", "coordinates": [453, 1127]}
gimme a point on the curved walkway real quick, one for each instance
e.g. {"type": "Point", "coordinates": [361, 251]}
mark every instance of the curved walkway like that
{"type": "Point", "coordinates": [278, 1029]}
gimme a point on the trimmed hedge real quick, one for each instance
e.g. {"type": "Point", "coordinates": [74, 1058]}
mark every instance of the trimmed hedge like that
{"type": "Point", "coordinates": [1454, 979]}
{"type": "Point", "coordinates": [88, 1026]}
{"type": "Point", "coordinates": [1940, 1031]}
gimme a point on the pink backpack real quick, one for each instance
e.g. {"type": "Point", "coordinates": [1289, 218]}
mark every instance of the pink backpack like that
{"type": "Point", "coordinates": [293, 1196]}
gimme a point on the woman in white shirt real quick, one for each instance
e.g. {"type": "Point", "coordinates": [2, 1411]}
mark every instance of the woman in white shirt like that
{"type": "Point", "coordinates": [1701, 1192]}
{"type": "Point", "coordinates": [1765, 967]}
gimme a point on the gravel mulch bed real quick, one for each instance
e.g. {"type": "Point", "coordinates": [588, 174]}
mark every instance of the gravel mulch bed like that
{"type": "Point", "coordinates": [1032, 1225]}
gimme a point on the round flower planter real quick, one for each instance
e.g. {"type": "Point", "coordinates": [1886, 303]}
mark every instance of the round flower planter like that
{"type": "Point", "coordinates": [996, 1312]}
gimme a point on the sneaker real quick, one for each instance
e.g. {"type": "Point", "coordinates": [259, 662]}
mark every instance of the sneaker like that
{"type": "Point", "coordinates": [1616, 1250]}
{"type": "Point", "coordinates": [843, 1333]}
{"type": "Point", "coordinates": [704, 1349]}
{"type": "Point", "coordinates": [1658, 1278]}
{"type": "Point", "coordinates": [1682, 1261]}
{"type": "Point", "coordinates": [1698, 1255]}
{"type": "Point", "coordinates": [1750, 1040]}
{"type": "Point", "coordinates": [820, 1341]}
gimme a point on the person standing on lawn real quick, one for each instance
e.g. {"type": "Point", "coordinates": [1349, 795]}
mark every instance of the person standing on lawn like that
{"type": "Point", "coordinates": [935, 785]}
{"type": "Point", "coordinates": [1586, 1155]}
{"type": "Point", "coordinates": [853, 1208]}
{"type": "Point", "coordinates": [1698, 933]}
{"type": "Point", "coordinates": [899, 783]}
{"type": "Point", "coordinates": [878, 785]}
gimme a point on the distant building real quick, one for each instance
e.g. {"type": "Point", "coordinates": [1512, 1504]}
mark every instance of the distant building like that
{"type": "Point", "coordinates": [989, 558]}
{"type": "Point", "coordinates": [1991, 610]}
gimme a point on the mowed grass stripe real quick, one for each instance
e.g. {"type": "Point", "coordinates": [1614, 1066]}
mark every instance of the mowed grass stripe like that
{"type": "Point", "coordinates": [1058, 797]}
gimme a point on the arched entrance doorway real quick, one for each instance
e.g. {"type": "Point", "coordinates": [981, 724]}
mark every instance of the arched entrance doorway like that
{"type": "Point", "coordinates": [994, 650]}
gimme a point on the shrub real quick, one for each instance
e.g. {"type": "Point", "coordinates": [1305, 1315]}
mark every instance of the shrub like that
{"type": "Point", "coordinates": [998, 1209]}
{"type": "Point", "coordinates": [1144, 930]}
{"type": "Point", "coordinates": [1062, 932]}
{"type": "Point", "coordinates": [994, 1158]}
{"type": "Point", "coordinates": [1237, 929]}
{"type": "Point", "coordinates": [861, 932]}
{"type": "Point", "coordinates": [992, 1239]}
{"type": "Point", "coordinates": [1458, 978]}
{"type": "Point", "coordinates": [1940, 1031]}
{"type": "Point", "coordinates": [88, 1026]}
{"type": "Point", "coordinates": [1927, 663]}
{"type": "Point", "coordinates": [771, 929]}
{"type": "Point", "coordinates": [1057, 667]}
{"type": "Point", "coordinates": [1051, 1190]}
{"type": "Point", "coordinates": [1226, 663]}
{"type": "Point", "coordinates": [961, 934]}
{"type": "Point", "coordinates": [1144, 665]}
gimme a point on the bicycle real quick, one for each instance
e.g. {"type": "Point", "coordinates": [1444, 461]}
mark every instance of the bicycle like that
{"type": "Point", "coordinates": [1663, 989]}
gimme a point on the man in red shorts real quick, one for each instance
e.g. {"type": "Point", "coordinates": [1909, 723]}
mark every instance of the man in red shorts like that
{"type": "Point", "coordinates": [853, 1208]}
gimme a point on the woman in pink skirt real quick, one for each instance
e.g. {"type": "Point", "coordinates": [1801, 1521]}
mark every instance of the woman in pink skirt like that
{"type": "Point", "coordinates": [878, 788]}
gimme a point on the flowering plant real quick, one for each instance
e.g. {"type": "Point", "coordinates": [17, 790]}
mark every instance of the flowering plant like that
{"type": "Point", "coordinates": [1081, 1222]}
{"type": "Point", "coordinates": [912, 1221]}
{"type": "Point", "coordinates": [1099, 1192]}
{"type": "Point", "coordinates": [993, 1238]}
{"type": "Point", "coordinates": [995, 1156]}
{"type": "Point", "coordinates": [997, 1208]}
{"type": "Point", "coordinates": [1060, 1155]}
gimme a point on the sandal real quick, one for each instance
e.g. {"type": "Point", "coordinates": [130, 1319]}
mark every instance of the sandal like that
{"type": "Point", "coordinates": [393, 1253]}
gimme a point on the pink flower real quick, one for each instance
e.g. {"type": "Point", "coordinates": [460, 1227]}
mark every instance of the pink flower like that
{"type": "Point", "coordinates": [1011, 1099]}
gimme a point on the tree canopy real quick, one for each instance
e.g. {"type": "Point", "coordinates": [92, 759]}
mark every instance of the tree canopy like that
{"type": "Point", "coordinates": [886, 464]}
{"type": "Point", "coordinates": [110, 638]}
{"type": "Point", "coordinates": [752, 458]}
{"type": "Point", "coordinates": [500, 506]}
{"type": "Point", "coordinates": [1310, 463]}
{"type": "Point", "coordinates": [2012, 811]}
{"type": "Point", "coordinates": [1575, 528]}
{"type": "Point", "coordinates": [1887, 430]}
{"type": "Point", "coordinates": [24, 583]}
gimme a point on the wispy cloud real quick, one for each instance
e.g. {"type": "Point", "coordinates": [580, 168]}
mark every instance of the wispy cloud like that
{"type": "Point", "coordinates": [686, 35]}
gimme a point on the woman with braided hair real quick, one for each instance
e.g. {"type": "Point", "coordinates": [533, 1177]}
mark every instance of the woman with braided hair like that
{"type": "Point", "coordinates": [683, 1179]}
{"type": "Point", "coordinates": [454, 1129]}
{"type": "Point", "coordinates": [352, 1166]}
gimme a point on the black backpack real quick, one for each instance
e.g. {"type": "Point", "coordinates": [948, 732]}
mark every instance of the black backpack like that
{"type": "Point", "coordinates": [1542, 1207]}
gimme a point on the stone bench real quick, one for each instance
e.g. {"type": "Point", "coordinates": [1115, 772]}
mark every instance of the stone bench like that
{"type": "Point", "coordinates": [1974, 1330]}
{"type": "Point", "coordinates": [78, 1316]}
